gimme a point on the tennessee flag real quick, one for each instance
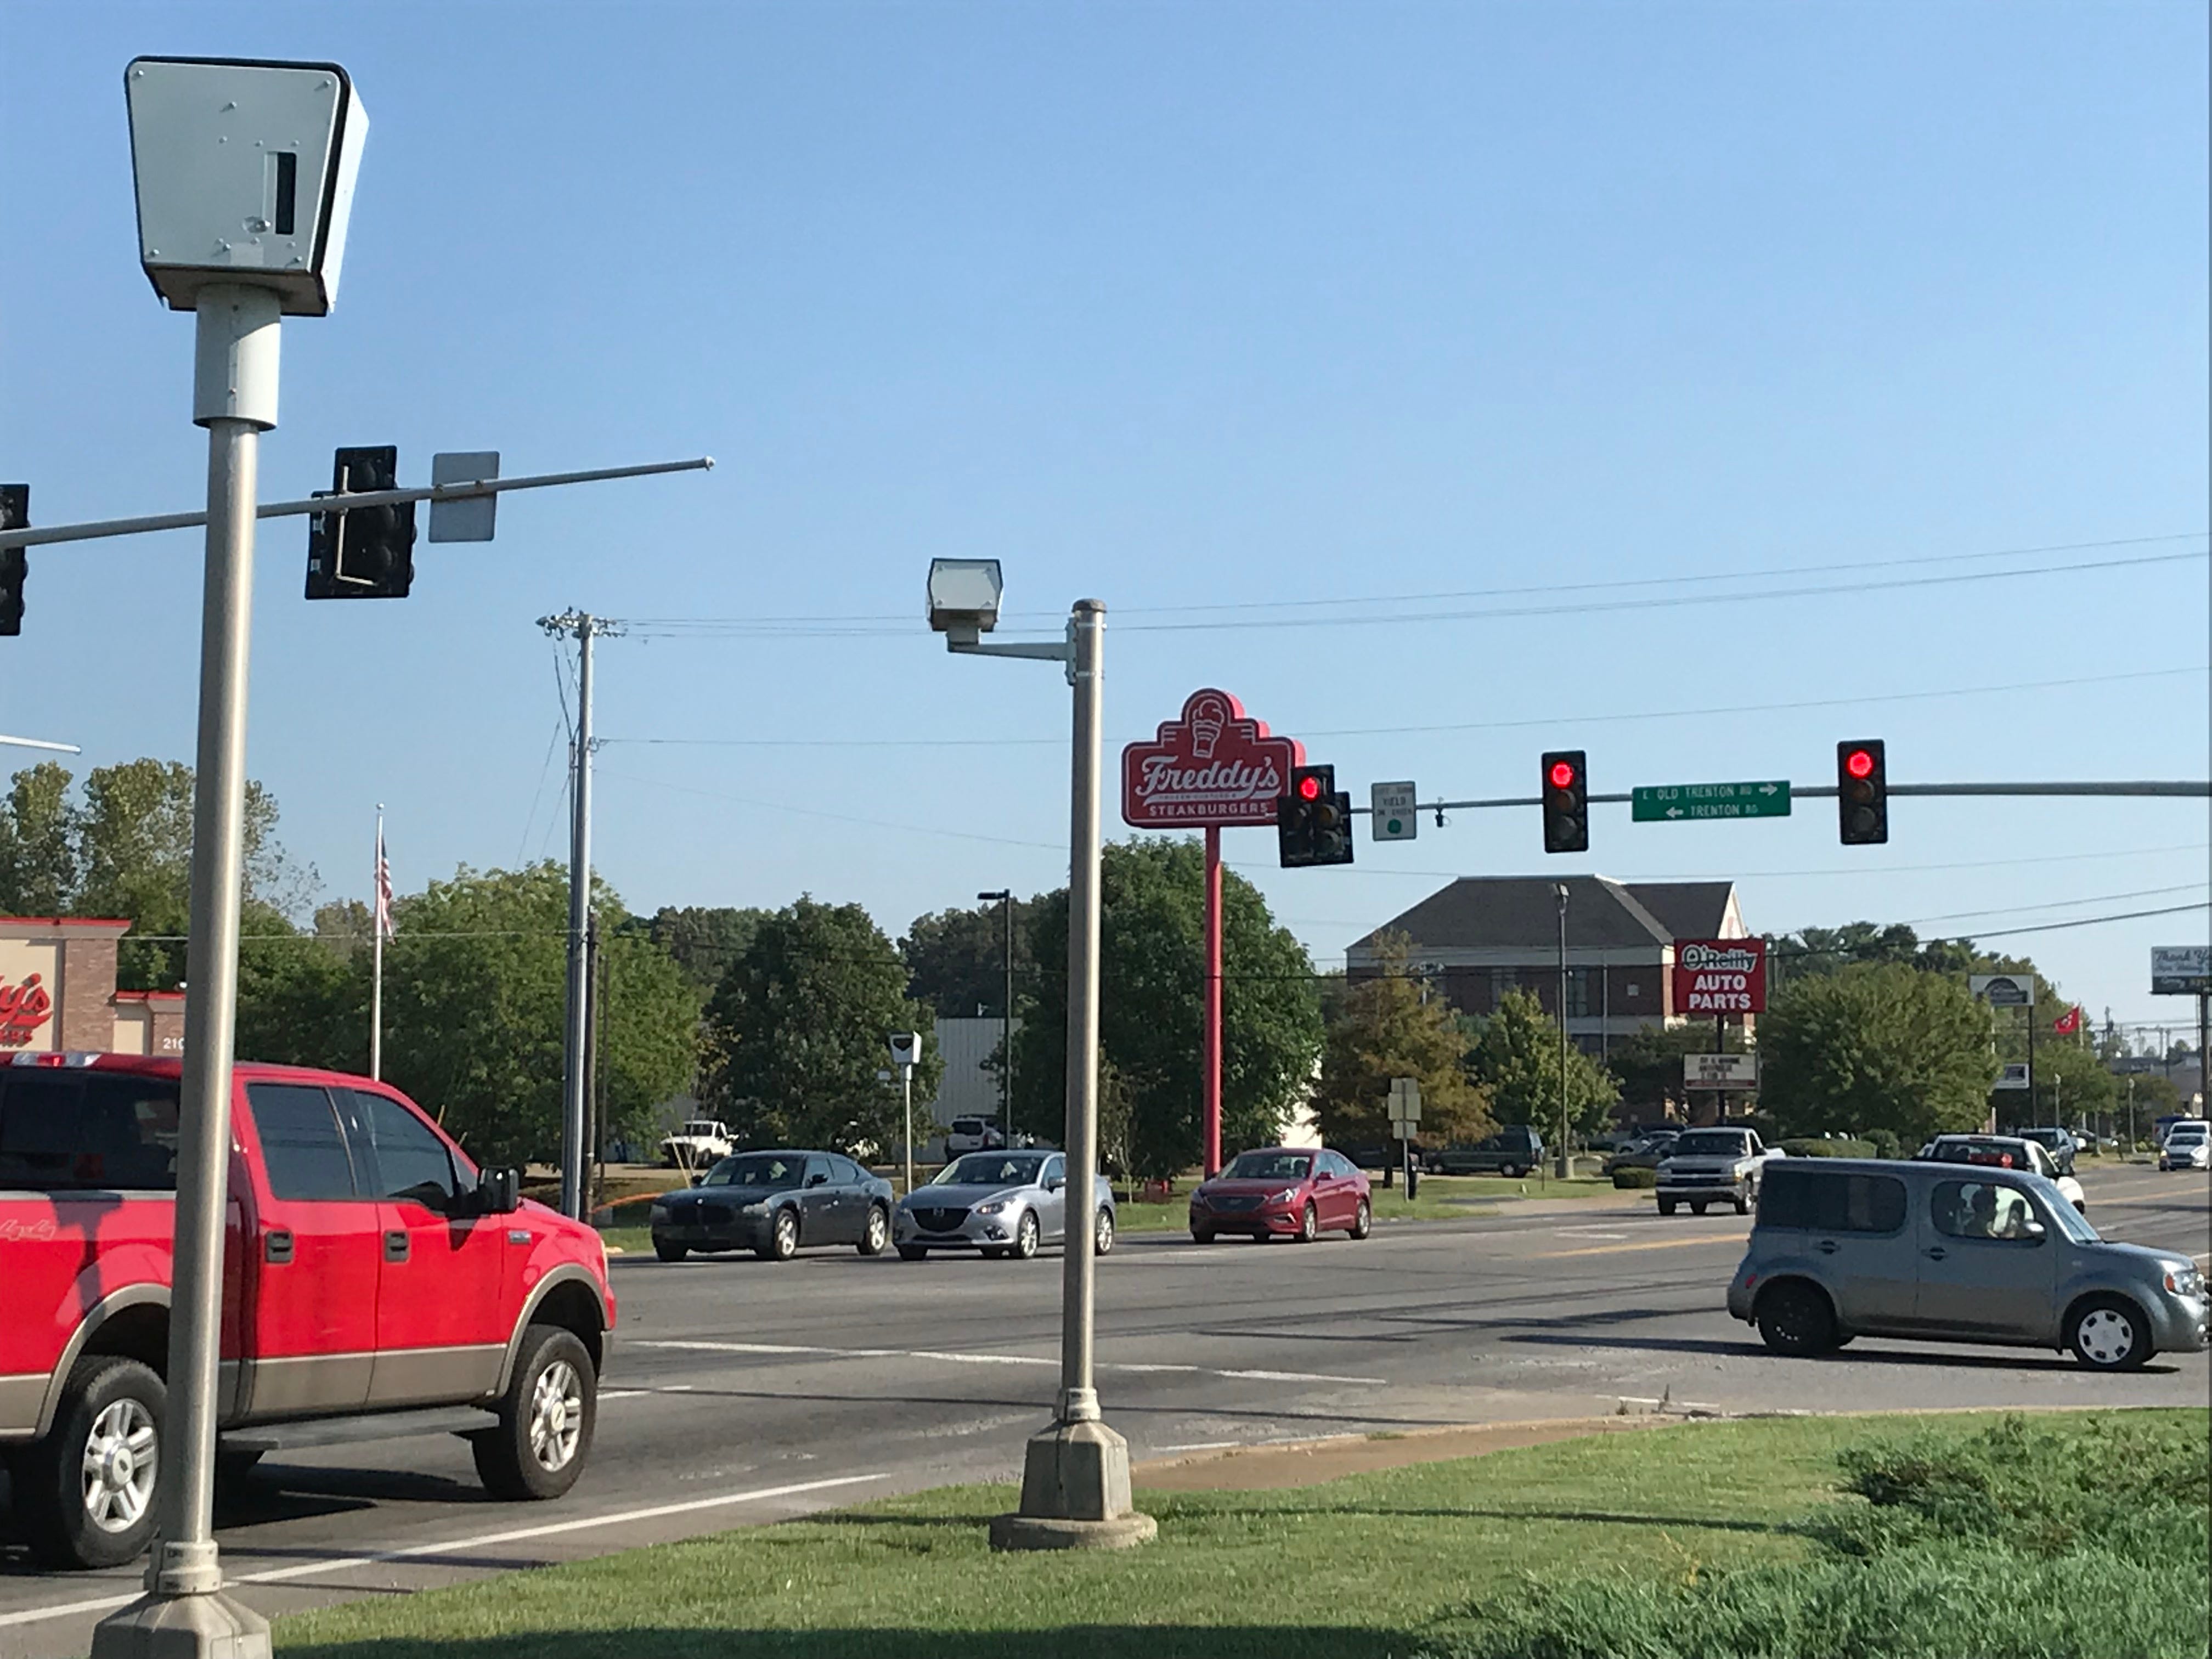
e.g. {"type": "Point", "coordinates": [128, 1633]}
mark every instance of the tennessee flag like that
{"type": "Point", "coordinates": [2069, 1022]}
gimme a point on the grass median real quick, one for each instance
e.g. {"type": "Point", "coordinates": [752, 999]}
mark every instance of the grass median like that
{"type": "Point", "coordinates": [1816, 1538]}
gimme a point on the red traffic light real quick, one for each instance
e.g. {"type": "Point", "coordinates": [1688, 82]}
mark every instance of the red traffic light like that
{"type": "Point", "coordinates": [1859, 763]}
{"type": "Point", "coordinates": [1309, 788]}
{"type": "Point", "coordinates": [1562, 775]}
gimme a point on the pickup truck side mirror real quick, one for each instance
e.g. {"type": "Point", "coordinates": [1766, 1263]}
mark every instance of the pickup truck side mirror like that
{"type": "Point", "coordinates": [499, 1192]}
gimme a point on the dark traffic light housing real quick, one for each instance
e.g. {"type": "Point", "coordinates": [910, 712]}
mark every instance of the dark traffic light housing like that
{"type": "Point", "coordinates": [1566, 802]}
{"type": "Point", "coordinates": [1313, 822]}
{"type": "Point", "coordinates": [1863, 792]}
{"type": "Point", "coordinates": [15, 561]}
{"type": "Point", "coordinates": [367, 552]}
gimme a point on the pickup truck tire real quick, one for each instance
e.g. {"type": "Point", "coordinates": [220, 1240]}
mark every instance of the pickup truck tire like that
{"type": "Point", "coordinates": [1697, 1206]}
{"type": "Point", "coordinates": [670, 1252]}
{"type": "Point", "coordinates": [545, 1419]}
{"type": "Point", "coordinates": [1665, 1207]}
{"type": "Point", "coordinates": [1743, 1204]}
{"type": "Point", "coordinates": [1796, 1319]}
{"type": "Point", "coordinates": [85, 1494]}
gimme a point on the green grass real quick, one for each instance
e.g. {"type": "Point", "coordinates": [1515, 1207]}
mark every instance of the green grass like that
{"type": "Point", "coordinates": [1439, 1559]}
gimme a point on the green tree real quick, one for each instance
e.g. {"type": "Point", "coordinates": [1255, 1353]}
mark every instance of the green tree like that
{"type": "Point", "coordinates": [1152, 997]}
{"type": "Point", "coordinates": [1876, 1047]}
{"type": "Point", "coordinates": [796, 1032]}
{"type": "Point", "coordinates": [300, 1000]}
{"type": "Point", "coordinates": [475, 991]}
{"type": "Point", "coordinates": [706, 940]}
{"type": "Point", "coordinates": [1647, 1064]}
{"type": "Point", "coordinates": [39, 859]}
{"type": "Point", "coordinates": [1385, 1026]}
{"type": "Point", "coordinates": [1516, 1060]}
{"type": "Point", "coordinates": [956, 960]}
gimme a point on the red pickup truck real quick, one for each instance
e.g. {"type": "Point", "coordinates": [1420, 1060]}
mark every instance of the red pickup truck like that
{"type": "Point", "coordinates": [370, 1267]}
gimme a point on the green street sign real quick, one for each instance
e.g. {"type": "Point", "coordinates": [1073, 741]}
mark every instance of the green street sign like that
{"type": "Point", "coordinates": [1668, 803]}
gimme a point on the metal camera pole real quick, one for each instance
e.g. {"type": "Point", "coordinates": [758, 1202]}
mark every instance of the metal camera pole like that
{"type": "Point", "coordinates": [235, 398]}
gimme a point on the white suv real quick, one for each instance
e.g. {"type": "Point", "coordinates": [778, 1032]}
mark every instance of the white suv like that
{"type": "Point", "coordinates": [972, 1134]}
{"type": "Point", "coordinates": [2188, 1146]}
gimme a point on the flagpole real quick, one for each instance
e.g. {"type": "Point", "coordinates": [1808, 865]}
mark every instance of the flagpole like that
{"type": "Point", "coordinates": [376, 974]}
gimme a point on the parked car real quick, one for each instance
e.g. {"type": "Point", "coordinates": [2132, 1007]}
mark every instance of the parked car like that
{"type": "Point", "coordinates": [1284, 1192]}
{"type": "Point", "coordinates": [1513, 1152]}
{"type": "Point", "coordinates": [373, 1266]}
{"type": "Point", "coordinates": [2059, 1143]}
{"type": "Point", "coordinates": [1385, 1157]}
{"type": "Point", "coordinates": [698, 1145]}
{"type": "Point", "coordinates": [972, 1134]}
{"type": "Point", "coordinates": [2005, 1152]}
{"type": "Point", "coordinates": [1644, 1152]}
{"type": "Point", "coordinates": [775, 1204]}
{"type": "Point", "coordinates": [2187, 1146]}
{"type": "Point", "coordinates": [1845, 1248]}
{"type": "Point", "coordinates": [1712, 1166]}
{"type": "Point", "coordinates": [1002, 1203]}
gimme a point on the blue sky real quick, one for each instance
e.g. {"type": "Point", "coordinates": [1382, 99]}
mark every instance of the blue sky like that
{"type": "Point", "coordinates": [1184, 306]}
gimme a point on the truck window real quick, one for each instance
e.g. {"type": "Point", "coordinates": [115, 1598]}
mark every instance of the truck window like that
{"type": "Point", "coordinates": [301, 1145]}
{"type": "Point", "coordinates": [63, 1132]}
{"type": "Point", "coordinates": [412, 1162]}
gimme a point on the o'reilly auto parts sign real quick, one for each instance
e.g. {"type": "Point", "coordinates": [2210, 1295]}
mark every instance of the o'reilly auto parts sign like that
{"type": "Point", "coordinates": [2180, 970]}
{"type": "Point", "coordinates": [1720, 977]}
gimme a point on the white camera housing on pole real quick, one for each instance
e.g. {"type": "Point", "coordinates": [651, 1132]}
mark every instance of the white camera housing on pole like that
{"type": "Point", "coordinates": [906, 1048]}
{"type": "Point", "coordinates": [246, 174]}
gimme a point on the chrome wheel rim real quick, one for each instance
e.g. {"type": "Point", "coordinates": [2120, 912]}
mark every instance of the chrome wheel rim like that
{"type": "Point", "coordinates": [877, 1229]}
{"type": "Point", "coordinates": [787, 1234]}
{"type": "Point", "coordinates": [120, 1455]}
{"type": "Point", "coordinates": [2105, 1335]}
{"type": "Point", "coordinates": [1101, 1235]}
{"type": "Point", "coordinates": [556, 1416]}
{"type": "Point", "coordinates": [1365, 1218]}
{"type": "Point", "coordinates": [1025, 1236]}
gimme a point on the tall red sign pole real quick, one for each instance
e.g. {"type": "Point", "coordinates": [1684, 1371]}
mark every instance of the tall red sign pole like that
{"type": "Point", "coordinates": [1212, 1043]}
{"type": "Point", "coordinates": [1216, 768]}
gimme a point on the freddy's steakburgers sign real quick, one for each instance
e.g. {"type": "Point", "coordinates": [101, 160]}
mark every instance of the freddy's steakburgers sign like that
{"type": "Point", "coordinates": [1720, 977]}
{"type": "Point", "coordinates": [1216, 766]}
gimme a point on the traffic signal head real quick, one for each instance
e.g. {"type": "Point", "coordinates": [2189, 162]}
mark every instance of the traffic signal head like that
{"type": "Point", "coordinates": [15, 513]}
{"type": "Point", "coordinates": [1566, 802]}
{"type": "Point", "coordinates": [1862, 792]}
{"type": "Point", "coordinates": [1313, 822]}
{"type": "Point", "coordinates": [368, 552]}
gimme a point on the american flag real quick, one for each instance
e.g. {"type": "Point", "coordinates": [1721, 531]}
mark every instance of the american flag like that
{"type": "Point", "coordinates": [383, 890]}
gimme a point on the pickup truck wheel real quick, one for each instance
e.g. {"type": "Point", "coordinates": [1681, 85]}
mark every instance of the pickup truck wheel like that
{"type": "Point", "coordinates": [670, 1252]}
{"type": "Point", "coordinates": [1201, 1235]}
{"type": "Point", "coordinates": [1743, 1204]}
{"type": "Point", "coordinates": [1796, 1319]}
{"type": "Point", "coordinates": [877, 1233]}
{"type": "Point", "coordinates": [1665, 1207]}
{"type": "Point", "coordinates": [545, 1419]}
{"type": "Point", "coordinates": [1697, 1206]}
{"type": "Point", "coordinates": [85, 1494]}
{"type": "Point", "coordinates": [1511, 1171]}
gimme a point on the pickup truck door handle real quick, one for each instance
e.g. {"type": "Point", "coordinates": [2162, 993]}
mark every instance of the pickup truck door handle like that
{"type": "Point", "coordinates": [1826, 1247]}
{"type": "Point", "coordinates": [1935, 1253]}
{"type": "Point", "coordinates": [395, 1244]}
{"type": "Point", "coordinates": [277, 1246]}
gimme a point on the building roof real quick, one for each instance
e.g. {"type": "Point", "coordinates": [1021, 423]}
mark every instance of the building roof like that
{"type": "Point", "coordinates": [1494, 912]}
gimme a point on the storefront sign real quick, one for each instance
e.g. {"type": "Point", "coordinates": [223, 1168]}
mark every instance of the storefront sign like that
{"type": "Point", "coordinates": [1214, 766]}
{"type": "Point", "coordinates": [23, 1009]}
{"type": "Point", "coordinates": [1720, 977]}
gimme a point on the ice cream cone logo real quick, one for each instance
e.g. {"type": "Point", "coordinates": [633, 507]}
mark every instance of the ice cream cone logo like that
{"type": "Point", "coordinates": [1207, 715]}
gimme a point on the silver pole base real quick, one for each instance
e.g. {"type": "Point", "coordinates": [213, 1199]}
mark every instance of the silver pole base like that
{"type": "Point", "coordinates": [1075, 1494]}
{"type": "Point", "coordinates": [205, 1626]}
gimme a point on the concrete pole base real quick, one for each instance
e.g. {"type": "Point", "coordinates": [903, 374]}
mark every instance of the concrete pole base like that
{"type": "Point", "coordinates": [206, 1626]}
{"type": "Point", "coordinates": [1075, 1493]}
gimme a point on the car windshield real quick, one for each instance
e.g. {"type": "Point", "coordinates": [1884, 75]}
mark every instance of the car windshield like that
{"type": "Point", "coordinates": [703, 1128]}
{"type": "Point", "coordinates": [2186, 1132]}
{"type": "Point", "coordinates": [2071, 1222]}
{"type": "Point", "coordinates": [768, 1170]}
{"type": "Point", "coordinates": [991, 1170]}
{"type": "Point", "coordinates": [1712, 1143]}
{"type": "Point", "coordinates": [1267, 1166]}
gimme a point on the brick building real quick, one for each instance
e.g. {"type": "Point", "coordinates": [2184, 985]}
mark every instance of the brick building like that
{"type": "Point", "coordinates": [57, 992]}
{"type": "Point", "coordinates": [1485, 935]}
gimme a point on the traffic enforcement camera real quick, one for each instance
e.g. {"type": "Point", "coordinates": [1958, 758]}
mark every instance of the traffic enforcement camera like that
{"type": "Point", "coordinates": [1863, 792]}
{"type": "Point", "coordinates": [1566, 802]}
{"type": "Point", "coordinates": [366, 552]}
{"type": "Point", "coordinates": [1313, 822]}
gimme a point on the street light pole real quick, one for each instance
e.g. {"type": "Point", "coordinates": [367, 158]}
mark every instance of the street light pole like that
{"type": "Point", "coordinates": [1562, 1167]}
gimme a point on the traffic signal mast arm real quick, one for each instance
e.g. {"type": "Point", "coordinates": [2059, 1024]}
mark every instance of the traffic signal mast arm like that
{"type": "Point", "coordinates": [2183, 787]}
{"type": "Point", "coordinates": [31, 536]}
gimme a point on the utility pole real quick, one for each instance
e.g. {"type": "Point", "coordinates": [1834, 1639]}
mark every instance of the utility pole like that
{"type": "Point", "coordinates": [575, 1091]}
{"type": "Point", "coordinates": [1559, 889]}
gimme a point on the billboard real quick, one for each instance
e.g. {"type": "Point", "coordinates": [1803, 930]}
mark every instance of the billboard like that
{"type": "Point", "coordinates": [1720, 977]}
{"type": "Point", "coordinates": [2003, 990]}
{"type": "Point", "coordinates": [2180, 970]}
{"type": "Point", "coordinates": [1720, 1070]}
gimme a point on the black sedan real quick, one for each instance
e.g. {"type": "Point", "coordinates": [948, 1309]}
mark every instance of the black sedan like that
{"type": "Point", "coordinates": [775, 1204]}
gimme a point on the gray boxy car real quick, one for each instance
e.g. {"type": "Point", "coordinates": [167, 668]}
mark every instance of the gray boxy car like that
{"type": "Point", "coordinates": [1845, 1248]}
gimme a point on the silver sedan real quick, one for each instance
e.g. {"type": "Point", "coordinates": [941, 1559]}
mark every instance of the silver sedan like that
{"type": "Point", "coordinates": [1007, 1203]}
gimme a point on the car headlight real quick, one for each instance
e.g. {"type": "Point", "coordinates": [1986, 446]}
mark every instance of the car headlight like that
{"type": "Point", "coordinates": [759, 1206]}
{"type": "Point", "coordinates": [2184, 1281]}
{"type": "Point", "coordinates": [1284, 1196]}
{"type": "Point", "coordinates": [996, 1207]}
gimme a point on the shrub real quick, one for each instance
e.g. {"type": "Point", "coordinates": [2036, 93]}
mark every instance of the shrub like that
{"type": "Point", "coordinates": [1632, 1174]}
{"type": "Point", "coordinates": [1813, 1148]}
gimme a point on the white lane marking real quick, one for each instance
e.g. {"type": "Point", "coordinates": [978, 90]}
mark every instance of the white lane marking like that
{"type": "Point", "coordinates": [1589, 1232]}
{"type": "Point", "coordinates": [482, 1540]}
{"type": "Point", "coordinates": [606, 1394]}
{"type": "Point", "coordinates": [1243, 1374]}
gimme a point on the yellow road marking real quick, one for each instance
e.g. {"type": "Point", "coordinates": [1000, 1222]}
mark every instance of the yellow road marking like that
{"type": "Point", "coordinates": [1654, 1244]}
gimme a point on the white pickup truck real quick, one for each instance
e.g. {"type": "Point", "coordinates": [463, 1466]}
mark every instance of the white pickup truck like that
{"type": "Point", "coordinates": [698, 1145]}
{"type": "Point", "coordinates": [1713, 1166]}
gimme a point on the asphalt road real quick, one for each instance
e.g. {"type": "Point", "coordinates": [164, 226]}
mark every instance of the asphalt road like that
{"type": "Point", "coordinates": [745, 1392]}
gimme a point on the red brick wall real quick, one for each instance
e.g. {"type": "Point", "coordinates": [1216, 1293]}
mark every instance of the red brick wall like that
{"type": "Point", "coordinates": [87, 1009]}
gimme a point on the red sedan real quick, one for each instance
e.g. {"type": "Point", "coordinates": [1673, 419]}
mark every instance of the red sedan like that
{"type": "Point", "coordinates": [1282, 1192]}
